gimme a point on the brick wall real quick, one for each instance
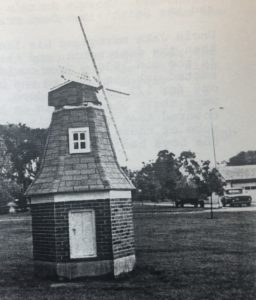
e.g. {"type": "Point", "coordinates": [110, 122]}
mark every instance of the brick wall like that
{"type": "Point", "coordinates": [114, 229]}
{"type": "Point", "coordinates": [43, 232]}
{"type": "Point", "coordinates": [51, 232]}
{"type": "Point", "coordinates": [122, 227]}
{"type": "Point", "coordinates": [103, 227]}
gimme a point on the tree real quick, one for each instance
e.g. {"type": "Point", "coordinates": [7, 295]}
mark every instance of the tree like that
{"type": "Point", "coordinates": [24, 147]}
{"type": "Point", "coordinates": [146, 183]}
{"type": "Point", "coordinates": [186, 188]}
{"type": "Point", "coordinates": [9, 190]}
{"type": "Point", "coordinates": [5, 159]}
{"type": "Point", "coordinates": [167, 173]}
{"type": "Point", "coordinates": [211, 180]}
{"type": "Point", "coordinates": [157, 179]}
{"type": "Point", "coordinates": [243, 158]}
{"type": "Point", "coordinates": [21, 149]}
{"type": "Point", "coordinates": [200, 179]}
{"type": "Point", "coordinates": [169, 177]}
{"type": "Point", "coordinates": [188, 164]}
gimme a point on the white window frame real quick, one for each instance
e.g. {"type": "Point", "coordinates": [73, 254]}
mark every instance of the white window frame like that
{"type": "Point", "coordinates": [71, 132]}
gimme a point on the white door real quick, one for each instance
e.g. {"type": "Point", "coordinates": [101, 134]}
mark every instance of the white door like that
{"type": "Point", "coordinates": [82, 237]}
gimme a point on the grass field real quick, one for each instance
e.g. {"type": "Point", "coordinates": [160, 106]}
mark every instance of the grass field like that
{"type": "Point", "coordinates": [179, 256]}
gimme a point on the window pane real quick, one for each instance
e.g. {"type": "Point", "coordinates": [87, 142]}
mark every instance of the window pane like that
{"type": "Point", "coordinates": [76, 145]}
{"type": "Point", "coordinates": [82, 136]}
{"type": "Point", "coordinates": [79, 140]}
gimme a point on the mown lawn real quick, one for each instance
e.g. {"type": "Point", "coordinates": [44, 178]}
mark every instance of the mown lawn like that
{"type": "Point", "coordinates": [179, 256]}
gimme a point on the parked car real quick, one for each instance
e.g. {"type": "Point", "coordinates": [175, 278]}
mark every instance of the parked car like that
{"type": "Point", "coordinates": [236, 197]}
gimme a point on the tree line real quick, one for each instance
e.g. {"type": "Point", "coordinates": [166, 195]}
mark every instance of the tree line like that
{"type": "Point", "coordinates": [170, 177]}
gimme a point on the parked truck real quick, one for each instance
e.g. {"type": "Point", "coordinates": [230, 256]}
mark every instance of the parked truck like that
{"type": "Point", "coordinates": [189, 195]}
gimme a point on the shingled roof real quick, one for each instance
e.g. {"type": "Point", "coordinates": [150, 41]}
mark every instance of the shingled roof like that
{"type": "Point", "coordinates": [64, 172]}
{"type": "Point", "coordinates": [238, 172]}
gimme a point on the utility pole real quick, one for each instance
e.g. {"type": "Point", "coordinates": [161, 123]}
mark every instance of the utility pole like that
{"type": "Point", "coordinates": [213, 146]}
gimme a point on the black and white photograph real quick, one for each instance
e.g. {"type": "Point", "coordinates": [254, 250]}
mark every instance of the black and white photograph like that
{"type": "Point", "coordinates": [127, 150]}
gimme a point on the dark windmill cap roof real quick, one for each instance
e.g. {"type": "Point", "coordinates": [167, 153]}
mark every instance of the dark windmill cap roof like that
{"type": "Point", "coordinates": [73, 93]}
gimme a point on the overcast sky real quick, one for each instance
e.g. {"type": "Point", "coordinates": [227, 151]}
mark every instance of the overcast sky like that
{"type": "Point", "coordinates": [177, 59]}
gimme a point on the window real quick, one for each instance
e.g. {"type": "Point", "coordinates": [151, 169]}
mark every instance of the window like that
{"type": "Point", "coordinates": [79, 140]}
{"type": "Point", "coordinates": [250, 187]}
{"type": "Point", "coordinates": [234, 191]}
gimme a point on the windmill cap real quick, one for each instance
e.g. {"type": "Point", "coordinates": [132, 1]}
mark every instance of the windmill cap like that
{"type": "Point", "coordinates": [73, 93]}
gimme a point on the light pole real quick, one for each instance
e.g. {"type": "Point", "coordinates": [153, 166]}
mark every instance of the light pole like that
{"type": "Point", "coordinates": [213, 145]}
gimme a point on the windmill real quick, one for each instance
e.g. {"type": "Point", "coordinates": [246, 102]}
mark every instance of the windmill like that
{"type": "Point", "coordinates": [81, 198]}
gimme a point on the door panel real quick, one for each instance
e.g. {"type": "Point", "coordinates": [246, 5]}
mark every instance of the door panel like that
{"type": "Point", "coordinates": [82, 237]}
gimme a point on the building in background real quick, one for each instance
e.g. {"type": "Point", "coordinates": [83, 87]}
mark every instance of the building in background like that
{"type": "Point", "coordinates": [241, 177]}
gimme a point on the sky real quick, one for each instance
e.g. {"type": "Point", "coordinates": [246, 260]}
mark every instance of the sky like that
{"type": "Point", "coordinates": [176, 58]}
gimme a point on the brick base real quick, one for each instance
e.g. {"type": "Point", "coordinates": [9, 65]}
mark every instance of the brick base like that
{"type": "Point", "coordinates": [80, 269]}
{"type": "Point", "coordinates": [114, 238]}
{"type": "Point", "coordinates": [72, 270]}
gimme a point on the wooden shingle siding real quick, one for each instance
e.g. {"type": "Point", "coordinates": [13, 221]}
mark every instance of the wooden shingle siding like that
{"type": "Point", "coordinates": [65, 172]}
{"type": "Point", "coordinates": [73, 93]}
